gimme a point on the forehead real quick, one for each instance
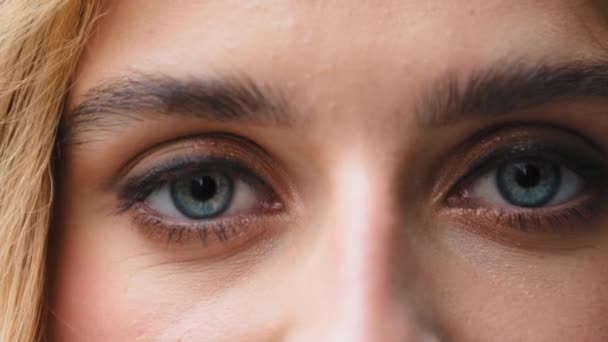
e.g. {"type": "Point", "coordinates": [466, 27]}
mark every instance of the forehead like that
{"type": "Point", "coordinates": [354, 43]}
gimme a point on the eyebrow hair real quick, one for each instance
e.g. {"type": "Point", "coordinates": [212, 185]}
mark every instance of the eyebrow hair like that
{"type": "Point", "coordinates": [120, 101]}
{"type": "Point", "coordinates": [492, 91]}
{"type": "Point", "coordinates": [509, 88]}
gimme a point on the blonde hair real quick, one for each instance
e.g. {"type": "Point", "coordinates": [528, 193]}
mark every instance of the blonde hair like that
{"type": "Point", "coordinates": [40, 42]}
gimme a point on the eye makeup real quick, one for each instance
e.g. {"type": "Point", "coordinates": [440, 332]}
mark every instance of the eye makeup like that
{"type": "Point", "coordinates": [147, 189]}
{"type": "Point", "coordinates": [138, 187]}
{"type": "Point", "coordinates": [526, 147]}
{"type": "Point", "coordinates": [455, 196]}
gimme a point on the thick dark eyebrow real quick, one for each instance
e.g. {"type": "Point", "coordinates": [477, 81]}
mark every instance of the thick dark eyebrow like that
{"type": "Point", "coordinates": [509, 88]}
{"type": "Point", "coordinates": [492, 91]}
{"type": "Point", "coordinates": [120, 101]}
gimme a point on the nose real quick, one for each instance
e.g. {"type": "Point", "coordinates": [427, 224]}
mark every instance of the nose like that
{"type": "Point", "coordinates": [361, 284]}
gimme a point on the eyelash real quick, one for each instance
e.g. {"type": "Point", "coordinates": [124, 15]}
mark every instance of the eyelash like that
{"type": "Point", "coordinates": [563, 219]}
{"type": "Point", "coordinates": [559, 220]}
{"type": "Point", "coordinates": [133, 195]}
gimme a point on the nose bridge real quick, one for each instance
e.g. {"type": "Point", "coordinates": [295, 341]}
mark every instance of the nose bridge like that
{"type": "Point", "coordinates": [357, 241]}
{"type": "Point", "coordinates": [367, 304]}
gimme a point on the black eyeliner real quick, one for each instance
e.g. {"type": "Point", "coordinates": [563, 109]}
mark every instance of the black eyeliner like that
{"type": "Point", "coordinates": [137, 188]}
{"type": "Point", "coordinates": [580, 163]}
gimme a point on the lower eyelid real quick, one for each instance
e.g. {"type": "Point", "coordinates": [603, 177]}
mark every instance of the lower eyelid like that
{"type": "Point", "coordinates": [564, 227]}
{"type": "Point", "coordinates": [231, 225]}
{"type": "Point", "coordinates": [555, 229]}
{"type": "Point", "coordinates": [217, 237]}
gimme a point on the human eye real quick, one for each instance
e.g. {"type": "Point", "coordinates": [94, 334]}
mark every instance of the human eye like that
{"type": "Point", "coordinates": [202, 195]}
{"type": "Point", "coordinates": [211, 189]}
{"type": "Point", "coordinates": [523, 182]}
{"type": "Point", "coordinates": [528, 181]}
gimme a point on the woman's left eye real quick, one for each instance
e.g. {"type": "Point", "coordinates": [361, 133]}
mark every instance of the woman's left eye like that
{"type": "Point", "coordinates": [527, 183]}
{"type": "Point", "coordinates": [202, 196]}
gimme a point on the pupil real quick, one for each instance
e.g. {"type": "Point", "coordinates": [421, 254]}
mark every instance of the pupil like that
{"type": "Point", "coordinates": [203, 188]}
{"type": "Point", "coordinates": [527, 175]}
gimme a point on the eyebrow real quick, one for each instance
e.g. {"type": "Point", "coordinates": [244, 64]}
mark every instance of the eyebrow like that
{"type": "Point", "coordinates": [119, 102]}
{"type": "Point", "coordinates": [509, 88]}
{"type": "Point", "coordinates": [488, 92]}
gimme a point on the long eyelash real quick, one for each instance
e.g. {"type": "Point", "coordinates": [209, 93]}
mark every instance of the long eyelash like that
{"type": "Point", "coordinates": [593, 172]}
{"type": "Point", "coordinates": [564, 221]}
{"type": "Point", "coordinates": [133, 194]}
{"type": "Point", "coordinates": [158, 229]}
{"type": "Point", "coordinates": [138, 188]}
{"type": "Point", "coordinates": [220, 231]}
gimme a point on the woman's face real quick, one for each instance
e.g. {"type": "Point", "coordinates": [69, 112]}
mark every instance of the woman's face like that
{"type": "Point", "coordinates": [336, 171]}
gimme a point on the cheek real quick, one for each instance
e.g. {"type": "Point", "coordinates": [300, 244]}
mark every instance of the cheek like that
{"type": "Point", "coordinates": [573, 310]}
{"type": "Point", "coordinates": [492, 291]}
{"type": "Point", "coordinates": [91, 297]}
{"type": "Point", "coordinates": [572, 302]}
{"type": "Point", "coordinates": [106, 287]}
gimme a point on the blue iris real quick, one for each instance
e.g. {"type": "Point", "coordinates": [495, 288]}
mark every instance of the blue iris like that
{"type": "Point", "coordinates": [529, 184]}
{"type": "Point", "coordinates": [202, 196]}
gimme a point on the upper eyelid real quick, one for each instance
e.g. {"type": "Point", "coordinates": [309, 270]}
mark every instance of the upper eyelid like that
{"type": "Point", "coordinates": [137, 188]}
{"type": "Point", "coordinates": [237, 143]}
{"type": "Point", "coordinates": [227, 151]}
{"type": "Point", "coordinates": [570, 158]}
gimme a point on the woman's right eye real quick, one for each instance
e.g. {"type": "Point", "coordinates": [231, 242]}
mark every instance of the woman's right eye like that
{"type": "Point", "coordinates": [186, 203]}
{"type": "Point", "coordinates": [213, 188]}
{"type": "Point", "coordinates": [202, 196]}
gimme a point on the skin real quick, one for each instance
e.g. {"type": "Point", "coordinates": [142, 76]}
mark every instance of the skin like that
{"type": "Point", "coordinates": [363, 253]}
